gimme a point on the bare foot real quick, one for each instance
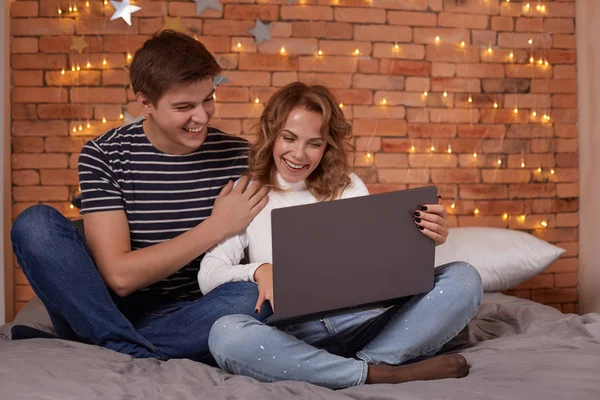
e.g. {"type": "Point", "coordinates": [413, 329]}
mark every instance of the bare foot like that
{"type": "Point", "coordinates": [439, 367]}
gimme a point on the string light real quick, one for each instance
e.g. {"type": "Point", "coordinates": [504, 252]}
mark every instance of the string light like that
{"type": "Point", "coordinates": [530, 41]}
{"type": "Point", "coordinates": [74, 130]}
{"type": "Point", "coordinates": [59, 11]}
{"type": "Point", "coordinates": [341, 105]}
{"type": "Point", "coordinates": [544, 224]}
{"type": "Point", "coordinates": [62, 72]}
{"type": "Point", "coordinates": [534, 114]}
{"type": "Point", "coordinates": [239, 45]}
{"type": "Point", "coordinates": [214, 96]}
{"type": "Point", "coordinates": [540, 61]}
{"type": "Point", "coordinates": [462, 44]}
{"type": "Point", "coordinates": [511, 55]}
{"type": "Point", "coordinates": [75, 8]}
{"type": "Point", "coordinates": [546, 117]}
{"type": "Point", "coordinates": [103, 120]}
{"type": "Point", "coordinates": [70, 9]}
{"type": "Point", "coordinates": [87, 3]}
{"type": "Point", "coordinates": [356, 52]}
{"type": "Point", "coordinates": [320, 52]}
{"type": "Point", "coordinates": [104, 61]}
{"type": "Point", "coordinates": [369, 155]}
{"type": "Point", "coordinates": [552, 171]}
{"type": "Point", "coordinates": [476, 211]}
{"type": "Point", "coordinates": [470, 99]}
{"type": "Point", "coordinates": [543, 8]}
{"type": "Point", "coordinates": [453, 206]}
{"type": "Point", "coordinates": [527, 6]}
{"type": "Point", "coordinates": [522, 218]}
{"type": "Point", "coordinates": [505, 216]}
{"type": "Point", "coordinates": [80, 127]}
{"type": "Point", "coordinates": [425, 93]}
{"type": "Point", "coordinates": [88, 125]}
{"type": "Point", "coordinates": [531, 60]}
{"type": "Point", "coordinates": [449, 149]}
{"type": "Point", "coordinates": [445, 94]}
{"type": "Point", "coordinates": [538, 7]}
{"type": "Point", "coordinates": [437, 40]}
{"type": "Point", "coordinates": [282, 50]}
{"type": "Point", "coordinates": [88, 65]}
{"type": "Point", "coordinates": [546, 63]}
{"type": "Point", "coordinates": [475, 155]}
{"type": "Point", "coordinates": [539, 169]}
{"type": "Point", "coordinates": [489, 50]}
{"type": "Point", "coordinates": [495, 104]}
{"type": "Point", "coordinates": [129, 56]}
{"type": "Point", "coordinates": [71, 206]}
{"type": "Point", "coordinates": [105, 2]}
{"type": "Point", "coordinates": [384, 101]}
{"type": "Point", "coordinates": [121, 116]}
{"type": "Point", "coordinates": [72, 68]}
{"type": "Point", "coordinates": [256, 100]}
{"type": "Point", "coordinates": [412, 149]}
{"type": "Point", "coordinates": [78, 67]}
{"type": "Point", "coordinates": [499, 162]}
{"type": "Point", "coordinates": [432, 148]}
{"type": "Point", "coordinates": [516, 110]}
{"type": "Point", "coordinates": [522, 164]}
{"type": "Point", "coordinates": [396, 47]}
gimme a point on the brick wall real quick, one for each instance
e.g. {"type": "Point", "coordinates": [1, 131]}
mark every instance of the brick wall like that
{"type": "Point", "coordinates": [474, 133]}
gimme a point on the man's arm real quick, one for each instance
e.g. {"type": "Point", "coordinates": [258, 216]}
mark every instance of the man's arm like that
{"type": "Point", "coordinates": [125, 271]}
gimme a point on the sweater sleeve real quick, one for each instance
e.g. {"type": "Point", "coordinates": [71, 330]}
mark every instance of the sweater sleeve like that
{"type": "Point", "coordinates": [356, 188]}
{"type": "Point", "coordinates": [221, 264]}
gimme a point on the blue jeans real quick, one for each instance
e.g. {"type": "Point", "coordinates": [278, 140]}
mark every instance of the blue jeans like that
{"type": "Point", "coordinates": [53, 256]}
{"type": "Point", "coordinates": [335, 352]}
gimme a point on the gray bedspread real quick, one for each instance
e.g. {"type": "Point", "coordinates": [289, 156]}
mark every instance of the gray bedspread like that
{"type": "Point", "coordinates": [517, 349]}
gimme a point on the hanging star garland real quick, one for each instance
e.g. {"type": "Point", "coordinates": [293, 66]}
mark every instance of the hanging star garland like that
{"type": "Point", "coordinates": [78, 43]}
{"type": "Point", "coordinates": [123, 10]}
{"type": "Point", "coordinates": [261, 32]}
{"type": "Point", "coordinates": [202, 5]}
{"type": "Point", "coordinates": [219, 79]}
{"type": "Point", "coordinates": [173, 23]}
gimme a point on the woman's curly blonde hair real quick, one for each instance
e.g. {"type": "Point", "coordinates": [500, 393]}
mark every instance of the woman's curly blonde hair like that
{"type": "Point", "coordinates": [330, 178]}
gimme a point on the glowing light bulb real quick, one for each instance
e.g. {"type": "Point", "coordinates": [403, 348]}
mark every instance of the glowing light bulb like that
{"type": "Point", "coordinates": [534, 114]}
{"type": "Point", "coordinates": [505, 216]}
{"type": "Point", "coordinates": [445, 94]}
{"type": "Point", "coordinates": [72, 68]}
{"type": "Point", "coordinates": [476, 211]}
{"type": "Point", "coordinates": [511, 55]}
{"type": "Point", "coordinates": [62, 72]}
{"type": "Point", "coordinates": [105, 2]}
{"type": "Point", "coordinates": [71, 206]}
{"type": "Point", "coordinates": [530, 41]}
{"type": "Point", "coordinates": [320, 52]}
{"type": "Point", "coordinates": [546, 63]}
{"type": "Point", "coordinates": [540, 61]}
{"type": "Point", "coordinates": [462, 44]}
{"type": "Point", "coordinates": [356, 52]}
{"type": "Point", "coordinates": [452, 205]}
{"type": "Point", "coordinates": [104, 61]}
{"type": "Point", "coordinates": [475, 155]}
{"type": "Point", "coordinates": [396, 46]}
{"type": "Point", "coordinates": [516, 110]}
{"type": "Point", "coordinates": [239, 45]}
{"type": "Point", "coordinates": [59, 11]}
{"type": "Point", "coordinates": [75, 8]}
{"type": "Point", "coordinates": [256, 100]}
{"type": "Point", "coordinates": [495, 104]}
{"type": "Point", "coordinates": [522, 218]}
{"type": "Point", "coordinates": [80, 127]}
{"type": "Point", "coordinates": [499, 161]}
{"type": "Point", "coordinates": [103, 120]}
{"type": "Point", "coordinates": [531, 60]}
{"type": "Point", "coordinates": [70, 9]}
{"type": "Point", "coordinates": [470, 99]}
{"type": "Point", "coordinates": [369, 155]}
{"type": "Point", "coordinates": [282, 50]}
{"type": "Point", "coordinates": [449, 149]}
{"type": "Point", "coordinates": [552, 171]}
{"type": "Point", "coordinates": [527, 6]}
{"type": "Point", "coordinates": [88, 126]}
{"type": "Point", "coordinates": [432, 148]}
{"type": "Point", "coordinates": [437, 39]}
{"type": "Point", "coordinates": [129, 56]}
{"type": "Point", "coordinates": [87, 3]}
{"type": "Point", "coordinates": [121, 116]}
{"type": "Point", "coordinates": [544, 224]}
{"type": "Point", "coordinates": [88, 65]}
{"type": "Point", "coordinates": [538, 7]}
{"type": "Point", "coordinates": [489, 50]}
{"type": "Point", "coordinates": [341, 105]}
{"type": "Point", "coordinates": [543, 8]}
{"type": "Point", "coordinates": [384, 101]}
{"type": "Point", "coordinates": [425, 93]}
{"type": "Point", "coordinates": [78, 67]}
{"type": "Point", "coordinates": [522, 164]}
{"type": "Point", "coordinates": [74, 129]}
{"type": "Point", "coordinates": [539, 169]}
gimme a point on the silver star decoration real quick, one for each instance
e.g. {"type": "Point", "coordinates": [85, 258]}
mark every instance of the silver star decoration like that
{"type": "Point", "coordinates": [202, 5]}
{"type": "Point", "coordinates": [130, 119]}
{"type": "Point", "coordinates": [292, 1]}
{"type": "Point", "coordinates": [123, 10]}
{"type": "Point", "coordinates": [261, 32]}
{"type": "Point", "coordinates": [217, 80]}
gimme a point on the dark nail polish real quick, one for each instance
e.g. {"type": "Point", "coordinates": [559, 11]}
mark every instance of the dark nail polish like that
{"type": "Point", "coordinates": [439, 197]}
{"type": "Point", "coordinates": [420, 227]}
{"type": "Point", "coordinates": [256, 311]}
{"type": "Point", "coordinates": [417, 219]}
{"type": "Point", "coordinates": [424, 208]}
{"type": "Point", "coordinates": [417, 214]}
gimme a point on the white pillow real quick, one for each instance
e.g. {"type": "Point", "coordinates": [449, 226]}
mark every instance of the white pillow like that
{"type": "Point", "coordinates": [504, 258]}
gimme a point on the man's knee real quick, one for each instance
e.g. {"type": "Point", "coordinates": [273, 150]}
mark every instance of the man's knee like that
{"type": "Point", "coordinates": [34, 226]}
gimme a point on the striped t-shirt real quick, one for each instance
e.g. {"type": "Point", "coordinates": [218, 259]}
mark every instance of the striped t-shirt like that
{"type": "Point", "coordinates": [163, 195]}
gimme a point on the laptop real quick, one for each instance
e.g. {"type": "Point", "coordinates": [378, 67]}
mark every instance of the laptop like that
{"type": "Point", "coordinates": [345, 255]}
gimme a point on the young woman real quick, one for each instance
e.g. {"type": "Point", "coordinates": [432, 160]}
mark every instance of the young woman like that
{"type": "Point", "coordinates": [302, 153]}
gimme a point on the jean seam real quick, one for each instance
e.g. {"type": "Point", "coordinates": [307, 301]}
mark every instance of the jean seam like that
{"type": "Point", "coordinates": [363, 373]}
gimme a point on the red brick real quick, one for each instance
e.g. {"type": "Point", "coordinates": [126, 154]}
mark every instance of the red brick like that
{"type": "Point", "coordinates": [528, 71]}
{"type": "Point", "coordinates": [446, 70]}
{"type": "Point", "coordinates": [411, 18]}
{"type": "Point", "coordinates": [368, 66]}
{"type": "Point", "coordinates": [532, 101]}
{"type": "Point", "coordinates": [532, 190]}
{"type": "Point", "coordinates": [458, 175]}
{"type": "Point", "coordinates": [27, 78]}
{"type": "Point", "coordinates": [343, 47]}
{"type": "Point", "coordinates": [253, 12]}
{"type": "Point", "coordinates": [388, 82]}
{"type": "Point", "coordinates": [40, 193]}
{"type": "Point", "coordinates": [322, 29]}
{"type": "Point", "coordinates": [562, 265]}
{"type": "Point", "coordinates": [480, 70]}
{"type": "Point", "coordinates": [567, 220]}
{"type": "Point", "coordinates": [554, 295]}
{"type": "Point", "coordinates": [505, 85]}
{"type": "Point", "coordinates": [62, 44]}
{"type": "Point", "coordinates": [64, 111]}
{"type": "Point", "coordinates": [24, 9]}
{"type": "Point", "coordinates": [97, 95]}
{"type": "Point", "coordinates": [38, 61]}
{"type": "Point", "coordinates": [503, 55]}
{"type": "Point", "coordinates": [58, 177]}
{"type": "Point", "coordinates": [559, 25]}
{"type": "Point", "coordinates": [332, 81]}
{"type": "Point", "coordinates": [559, 56]}
{"type": "Point", "coordinates": [521, 40]}
{"type": "Point", "coordinates": [23, 293]}
{"type": "Point", "coordinates": [472, 7]}
{"type": "Point", "coordinates": [412, 175]}
{"type": "Point", "coordinates": [447, 36]}
{"type": "Point", "coordinates": [78, 78]}
{"type": "Point", "coordinates": [510, 9]}
{"type": "Point", "coordinates": [327, 64]}
{"type": "Point", "coordinates": [455, 85]}
{"type": "Point", "coordinates": [379, 127]}
{"type": "Point", "coordinates": [567, 190]}
{"type": "Point", "coordinates": [400, 98]}
{"type": "Point", "coordinates": [39, 95]}
{"type": "Point", "coordinates": [23, 44]}
{"type": "Point", "coordinates": [40, 128]}
{"type": "Point", "coordinates": [390, 160]}
{"type": "Point", "coordinates": [27, 145]}
{"type": "Point", "coordinates": [462, 21]}
{"type": "Point", "coordinates": [406, 68]}
{"type": "Point", "coordinates": [566, 130]}
{"type": "Point", "coordinates": [454, 116]}
{"type": "Point", "coordinates": [564, 115]}
{"type": "Point", "coordinates": [413, 5]}
{"type": "Point", "coordinates": [530, 131]}
{"type": "Point", "coordinates": [561, 9]}
{"type": "Point", "coordinates": [21, 112]}
{"type": "Point", "coordinates": [557, 235]}
{"type": "Point", "coordinates": [481, 131]}
{"type": "Point", "coordinates": [526, 24]}
{"type": "Point", "coordinates": [98, 25]}
{"type": "Point", "coordinates": [482, 220]}
{"type": "Point", "coordinates": [360, 15]}
{"type": "Point", "coordinates": [566, 280]}
{"type": "Point", "coordinates": [531, 160]}
{"type": "Point", "coordinates": [483, 38]}
{"type": "Point", "coordinates": [307, 12]}
{"type": "Point", "coordinates": [483, 191]}
{"type": "Point", "coordinates": [245, 78]}
{"type": "Point", "coordinates": [403, 51]}
{"type": "Point", "coordinates": [42, 26]}
{"type": "Point", "coordinates": [503, 24]}
{"type": "Point", "coordinates": [293, 46]}
{"type": "Point", "coordinates": [370, 144]}
{"type": "Point", "coordinates": [39, 161]}
{"type": "Point", "coordinates": [506, 176]}
{"type": "Point", "coordinates": [395, 112]}
{"type": "Point", "coordinates": [384, 188]}
{"type": "Point", "coordinates": [382, 33]}
{"type": "Point", "coordinates": [504, 116]}
{"type": "Point", "coordinates": [563, 41]}
{"type": "Point", "coordinates": [65, 144]}
{"type": "Point", "coordinates": [432, 160]}
{"type": "Point", "coordinates": [564, 100]}
{"type": "Point", "coordinates": [565, 72]}
{"type": "Point", "coordinates": [124, 43]}
{"type": "Point", "coordinates": [461, 100]}
{"type": "Point", "coordinates": [249, 110]}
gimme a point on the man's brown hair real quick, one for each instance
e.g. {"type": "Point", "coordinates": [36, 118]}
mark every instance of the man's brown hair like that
{"type": "Point", "coordinates": [170, 58]}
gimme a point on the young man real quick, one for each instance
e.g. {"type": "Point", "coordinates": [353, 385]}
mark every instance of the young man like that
{"type": "Point", "coordinates": [156, 195]}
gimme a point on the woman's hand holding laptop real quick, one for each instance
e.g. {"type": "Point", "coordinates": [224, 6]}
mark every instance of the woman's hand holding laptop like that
{"type": "Point", "coordinates": [432, 220]}
{"type": "Point", "coordinates": [264, 279]}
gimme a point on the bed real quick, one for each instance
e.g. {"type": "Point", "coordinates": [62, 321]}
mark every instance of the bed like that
{"type": "Point", "coordinates": [517, 349]}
